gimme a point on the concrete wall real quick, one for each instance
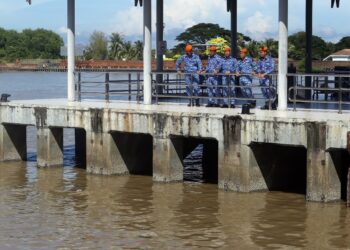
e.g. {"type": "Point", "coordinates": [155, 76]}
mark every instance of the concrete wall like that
{"type": "Point", "coordinates": [239, 167]}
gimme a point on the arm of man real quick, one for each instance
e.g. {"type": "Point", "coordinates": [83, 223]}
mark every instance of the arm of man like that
{"type": "Point", "coordinates": [178, 63]}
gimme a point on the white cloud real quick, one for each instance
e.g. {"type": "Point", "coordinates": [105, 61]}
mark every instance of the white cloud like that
{"type": "Point", "coordinates": [259, 26]}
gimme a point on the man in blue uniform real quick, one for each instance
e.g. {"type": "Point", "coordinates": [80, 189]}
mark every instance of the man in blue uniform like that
{"type": "Point", "coordinates": [228, 68]}
{"type": "Point", "coordinates": [266, 66]}
{"type": "Point", "coordinates": [246, 67]}
{"type": "Point", "coordinates": [192, 68]}
{"type": "Point", "coordinates": [212, 69]}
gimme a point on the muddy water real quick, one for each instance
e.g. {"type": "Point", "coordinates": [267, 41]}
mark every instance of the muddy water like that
{"type": "Point", "coordinates": [64, 208]}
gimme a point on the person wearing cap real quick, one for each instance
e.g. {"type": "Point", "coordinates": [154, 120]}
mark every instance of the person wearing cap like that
{"type": "Point", "coordinates": [266, 65]}
{"type": "Point", "coordinates": [228, 68]}
{"type": "Point", "coordinates": [192, 68]}
{"type": "Point", "coordinates": [212, 69]}
{"type": "Point", "coordinates": [246, 67]}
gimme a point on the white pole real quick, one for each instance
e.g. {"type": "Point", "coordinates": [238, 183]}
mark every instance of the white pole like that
{"type": "Point", "coordinates": [283, 54]}
{"type": "Point", "coordinates": [71, 49]}
{"type": "Point", "coordinates": [147, 52]}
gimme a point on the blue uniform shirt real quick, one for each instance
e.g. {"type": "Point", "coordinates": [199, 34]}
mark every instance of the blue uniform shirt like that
{"type": "Point", "coordinates": [192, 63]}
{"type": "Point", "coordinates": [214, 64]}
{"type": "Point", "coordinates": [266, 65]}
{"type": "Point", "coordinates": [228, 64]}
{"type": "Point", "coordinates": [246, 66]}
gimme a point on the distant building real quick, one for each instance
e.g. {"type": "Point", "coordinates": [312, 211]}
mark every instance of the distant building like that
{"type": "Point", "coordinates": [339, 56]}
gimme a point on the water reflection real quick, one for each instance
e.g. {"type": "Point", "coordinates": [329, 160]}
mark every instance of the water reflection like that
{"type": "Point", "coordinates": [66, 208]}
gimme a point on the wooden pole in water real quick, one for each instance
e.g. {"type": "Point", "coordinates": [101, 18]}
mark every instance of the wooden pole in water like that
{"type": "Point", "coordinates": [348, 189]}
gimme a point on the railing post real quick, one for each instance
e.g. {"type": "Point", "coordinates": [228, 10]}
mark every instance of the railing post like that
{"type": "Point", "coordinates": [340, 95]}
{"type": "Point", "coordinates": [283, 54]}
{"type": "Point", "coordinates": [79, 86]}
{"type": "Point", "coordinates": [295, 91]}
{"type": "Point", "coordinates": [129, 86]}
{"type": "Point", "coordinates": [138, 88]}
{"type": "Point", "coordinates": [107, 87]}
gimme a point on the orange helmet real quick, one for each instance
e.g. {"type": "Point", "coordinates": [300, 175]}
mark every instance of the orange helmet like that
{"type": "Point", "coordinates": [212, 48]}
{"type": "Point", "coordinates": [188, 48]}
{"type": "Point", "coordinates": [263, 49]}
{"type": "Point", "coordinates": [227, 49]}
{"type": "Point", "coordinates": [244, 50]}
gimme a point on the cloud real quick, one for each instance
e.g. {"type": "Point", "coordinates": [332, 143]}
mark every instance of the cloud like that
{"type": "Point", "coordinates": [259, 26]}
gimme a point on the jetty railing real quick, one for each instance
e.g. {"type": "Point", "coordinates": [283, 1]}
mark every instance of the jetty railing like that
{"type": "Point", "coordinates": [231, 88]}
{"type": "Point", "coordinates": [327, 91]}
{"type": "Point", "coordinates": [308, 88]}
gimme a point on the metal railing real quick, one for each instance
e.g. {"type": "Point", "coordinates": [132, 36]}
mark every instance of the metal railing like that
{"type": "Point", "coordinates": [179, 83]}
{"type": "Point", "coordinates": [124, 85]}
{"type": "Point", "coordinates": [307, 89]}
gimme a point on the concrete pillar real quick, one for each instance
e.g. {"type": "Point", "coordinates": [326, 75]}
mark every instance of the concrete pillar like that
{"type": "Point", "coordinates": [49, 147]}
{"type": "Point", "coordinates": [308, 50]}
{"type": "Point", "coordinates": [283, 54]}
{"type": "Point", "coordinates": [13, 142]}
{"type": "Point", "coordinates": [160, 34]}
{"type": "Point", "coordinates": [323, 183]}
{"type": "Point", "coordinates": [147, 52]}
{"type": "Point", "coordinates": [233, 8]}
{"type": "Point", "coordinates": [238, 169]}
{"type": "Point", "coordinates": [71, 49]}
{"type": "Point", "coordinates": [167, 159]}
{"type": "Point", "coordinates": [103, 156]}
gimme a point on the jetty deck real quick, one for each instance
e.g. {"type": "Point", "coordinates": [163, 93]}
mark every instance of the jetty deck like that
{"type": "Point", "coordinates": [243, 153]}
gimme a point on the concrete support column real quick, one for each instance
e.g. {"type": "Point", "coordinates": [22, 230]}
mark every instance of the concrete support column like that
{"type": "Point", "coordinates": [71, 49]}
{"type": "Point", "coordinates": [13, 142]}
{"type": "Point", "coordinates": [167, 159]}
{"type": "Point", "coordinates": [103, 156]}
{"type": "Point", "coordinates": [283, 54]}
{"type": "Point", "coordinates": [233, 8]}
{"type": "Point", "coordinates": [49, 147]}
{"type": "Point", "coordinates": [160, 38]}
{"type": "Point", "coordinates": [323, 182]}
{"type": "Point", "coordinates": [147, 52]}
{"type": "Point", "coordinates": [238, 168]}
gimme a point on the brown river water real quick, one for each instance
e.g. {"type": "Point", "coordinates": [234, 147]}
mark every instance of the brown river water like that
{"type": "Point", "coordinates": [65, 208]}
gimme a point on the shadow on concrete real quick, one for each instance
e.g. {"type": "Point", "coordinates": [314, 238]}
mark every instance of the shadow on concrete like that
{"type": "Point", "coordinates": [283, 167]}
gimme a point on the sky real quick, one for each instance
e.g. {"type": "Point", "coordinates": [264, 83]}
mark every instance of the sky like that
{"type": "Point", "coordinates": [256, 18]}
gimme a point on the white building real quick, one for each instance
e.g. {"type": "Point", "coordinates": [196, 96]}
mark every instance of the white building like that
{"type": "Point", "coordinates": [339, 56]}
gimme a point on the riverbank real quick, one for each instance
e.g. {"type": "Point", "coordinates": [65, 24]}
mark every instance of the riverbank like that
{"type": "Point", "coordinates": [98, 65]}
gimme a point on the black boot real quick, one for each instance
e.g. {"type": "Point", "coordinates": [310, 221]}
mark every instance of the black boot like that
{"type": "Point", "coordinates": [197, 103]}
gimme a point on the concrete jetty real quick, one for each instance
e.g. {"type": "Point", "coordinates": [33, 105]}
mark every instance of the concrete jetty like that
{"type": "Point", "coordinates": [246, 152]}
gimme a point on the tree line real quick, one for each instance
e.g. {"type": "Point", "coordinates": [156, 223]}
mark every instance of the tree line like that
{"type": "Point", "coordinates": [29, 44]}
{"type": "Point", "coordinates": [113, 47]}
{"type": "Point", "coordinates": [46, 44]}
{"type": "Point", "coordinates": [204, 32]}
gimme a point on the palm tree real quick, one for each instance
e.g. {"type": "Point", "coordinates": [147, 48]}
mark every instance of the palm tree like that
{"type": "Point", "coordinates": [117, 43]}
{"type": "Point", "coordinates": [128, 51]}
{"type": "Point", "coordinates": [138, 47]}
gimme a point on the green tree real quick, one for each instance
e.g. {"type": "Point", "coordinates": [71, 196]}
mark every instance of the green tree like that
{"type": "Point", "coordinates": [116, 42]}
{"type": "Point", "coordinates": [297, 45]}
{"type": "Point", "coordinates": [98, 46]}
{"type": "Point", "coordinates": [202, 33]}
{"type": "Point", "coordinates": [344, 43]}
{"type": "Point", "coordinates": [138, 46]}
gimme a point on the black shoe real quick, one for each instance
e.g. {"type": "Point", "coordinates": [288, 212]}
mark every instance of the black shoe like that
{"type": "Point", "coordinates": [216, 105]}
{"type": "Point", "coordinates": [197, 103]}
{"type": "Point", "coordinates": [209, 105]}
{"type": "Point", "coordinates": [225, 106]}
{"type": "Point", "coordinates": [189, 104]}
{"type": "Point", "coordinates": [232, 106]}
{"type": "Point", "coordinates": [252, 104]}
{"type": "Point", "coordinates": [266, 106]}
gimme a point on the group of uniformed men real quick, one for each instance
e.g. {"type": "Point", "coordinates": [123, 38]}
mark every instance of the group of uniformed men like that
{"type": "Point", "coordinates": [221, 73]}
